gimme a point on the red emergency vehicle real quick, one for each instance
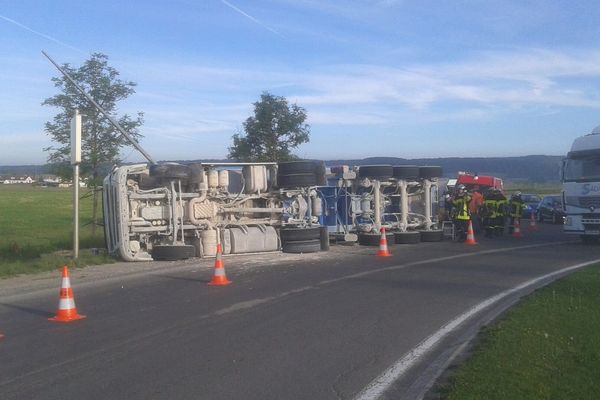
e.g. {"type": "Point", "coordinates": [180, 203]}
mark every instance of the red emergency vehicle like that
{"type": "Point", "coordinates": [483, 181]}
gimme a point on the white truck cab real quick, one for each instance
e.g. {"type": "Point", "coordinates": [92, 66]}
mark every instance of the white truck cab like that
{"type": "Point", "coordinates": [581, 187]}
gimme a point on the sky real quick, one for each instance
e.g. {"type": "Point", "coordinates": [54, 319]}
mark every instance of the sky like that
{"type": "Point", "coordinates": [397, 78]}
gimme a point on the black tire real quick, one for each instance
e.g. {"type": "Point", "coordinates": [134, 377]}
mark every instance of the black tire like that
{"type": "Point", "coordinates": [147, 182]}
{"type": "Point", "coordinates": [406, 171]}
{"type": "Point", "coordinates": [436, 235]}
{"type": "Point", "coordinates": [173, 252]}
{"type": "Point", "coordinates": [372, 239]}
{"type": "Point", "coordinates": [170, 171]}
{"type": "Point", "coordinates": [302, 246]}
{"type": "Point", "coordinates": [299, 167]}
{"type": "Point", "coordinates": [196, 173]}
{"type": "Point", "coordinates": [320, 174]}
{"type": "Point", "coordinates": [430, 172]}
{"type": "Point", "coordinates": [324, 232]}
{"type": "Point", "coordinates": [411, 237]}
{"type": "Point", "coordinates": [297, 180]}
{"type": "Point", "coordinates": [379, 172]}
{"type": "Point", "coordinates": [300, 234]}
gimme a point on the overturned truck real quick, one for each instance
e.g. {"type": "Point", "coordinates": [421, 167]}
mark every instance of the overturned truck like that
{"type": "Point", "coordinates": [176, 211]}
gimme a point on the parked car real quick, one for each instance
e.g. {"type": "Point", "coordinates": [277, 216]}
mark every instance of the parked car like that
{"type": "Point", "coordinates": [531, 204]}
{"type": "Point", "coordinates": [550, 209]}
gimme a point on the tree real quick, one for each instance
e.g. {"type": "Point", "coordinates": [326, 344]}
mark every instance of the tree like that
{"type": "Point", "coordinates": [275, 129]}
{"type": "Point", "coordinates": [101, 142]}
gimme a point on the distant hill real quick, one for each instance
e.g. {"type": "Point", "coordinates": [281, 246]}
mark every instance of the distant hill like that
{"type": "Point", "coordinates": [22, 170]}
{"type": "Point", "coordinates": [534, 169]}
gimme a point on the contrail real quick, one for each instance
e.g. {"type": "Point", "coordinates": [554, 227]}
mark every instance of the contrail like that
{"type": "Point", "coordinates": [250, 17]}
{"type": "Point", "coordinates": [12, 21]}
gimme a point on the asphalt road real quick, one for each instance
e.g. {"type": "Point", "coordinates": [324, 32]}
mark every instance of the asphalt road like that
{"type": "Point", "coordinates": [319, 326]}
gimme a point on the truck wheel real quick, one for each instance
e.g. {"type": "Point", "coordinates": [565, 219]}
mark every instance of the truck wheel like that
{"type": "Point", "coordinates": [372, 239]}
{"type": "Point", "coordinates": [296, 180]}
{"type": "Point", "coordinates": [324, 233]}
{"type": "Point", "coordinates": [436, 235]}
{"type": "Point", "coordinates": [406, 171]}
{"type": "Point", "coordinates": [379, 172]}
{"type": "Point", "coordinates": [302, 246]}
{"type": "Point", "coordinates": [300, 234]}
{"type": "Point", "coordinates": [196, 173]}
{"type": "Point", "coordinates": [411, 237]}
{"type": "Point", "coordinates": [299, 167]}
{"type": "Point", "coordinates": [428, 172]}
{"type": "Point", "coordinates": [147, 182]}
{"type": "Point", "coordinates": [173, 252]}
{"type": "Point", "coordinates": [170, 171]}
{"type": "Point", "coordinates": [320, 174]}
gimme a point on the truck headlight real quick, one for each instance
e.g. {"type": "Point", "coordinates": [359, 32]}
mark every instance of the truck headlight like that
{"type": "Point", "coordinates": [568, 221]}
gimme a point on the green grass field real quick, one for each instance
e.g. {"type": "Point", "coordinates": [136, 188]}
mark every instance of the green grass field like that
{"type": "Point", "coordinates": [548, 347]}
{"type": "Point", "coordinates": [36, 223]}
{"type": "Point", "coordinates": [541, 189]}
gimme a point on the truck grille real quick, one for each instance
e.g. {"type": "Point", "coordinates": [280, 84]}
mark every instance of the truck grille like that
{"type": "Point", "coordinates": [588, 201]}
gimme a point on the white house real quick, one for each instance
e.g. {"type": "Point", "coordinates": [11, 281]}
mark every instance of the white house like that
{"type": "Point", "coordinates": [13, 180]}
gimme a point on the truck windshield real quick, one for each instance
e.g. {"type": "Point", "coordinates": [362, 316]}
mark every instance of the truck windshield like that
{"type": "Point", "coordinates": [582, 169]}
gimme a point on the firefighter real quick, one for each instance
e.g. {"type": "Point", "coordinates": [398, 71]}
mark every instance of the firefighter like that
{"type": "Point", "coordinates": [489, 212]}
{"type": "Point", "coordinates": [460, 210]}
{"type": "Point", "coordinates": [493, 212]}
{"type": "Point", "coordinates": [501, 212]}
{"type": "Point", "coordinates": [475, 208]}
{"type": "Point", "coordinates": [515, 209]}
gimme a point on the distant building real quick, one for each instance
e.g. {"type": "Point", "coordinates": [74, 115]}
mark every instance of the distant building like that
{"type": "Point", "coordinates": [50, 180]}
{"type": "Point", "coordinates": [16, 180]}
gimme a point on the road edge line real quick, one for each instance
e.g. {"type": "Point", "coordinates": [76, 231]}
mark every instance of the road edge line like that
{"type": "Point", "coordinates": [384, 381]}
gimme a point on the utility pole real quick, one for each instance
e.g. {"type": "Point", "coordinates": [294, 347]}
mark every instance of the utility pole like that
{"type": "Point", "coordinates": [75, 161]}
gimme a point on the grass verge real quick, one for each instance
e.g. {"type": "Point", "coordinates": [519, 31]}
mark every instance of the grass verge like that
{"type": "Point", "coordinates": [548, 347]}
{"type": "Point", "coordinates": [36, 228]}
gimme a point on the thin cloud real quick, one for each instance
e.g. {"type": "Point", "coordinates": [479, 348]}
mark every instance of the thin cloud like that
{"type": "Point", "coordinates": [20, 25]}
{"type": "Point", "coordinates": [251, 18]}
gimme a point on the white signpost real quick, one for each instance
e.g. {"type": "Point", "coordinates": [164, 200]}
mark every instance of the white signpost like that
{"type": "Point", "coordinates": [75, 161]}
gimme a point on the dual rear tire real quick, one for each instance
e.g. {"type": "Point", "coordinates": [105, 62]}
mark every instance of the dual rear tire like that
{"type": "Point", "coordinates": [304, 240]}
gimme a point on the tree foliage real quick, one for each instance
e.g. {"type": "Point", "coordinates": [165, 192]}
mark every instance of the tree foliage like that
{"type": "Point", "coordinates": [101, 142]}
{"type": "Point", "coordinates": [275, 129]}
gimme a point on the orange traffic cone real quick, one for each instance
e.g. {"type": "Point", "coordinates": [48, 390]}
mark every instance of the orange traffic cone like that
{"type": "Point", "coordinates": [470, 235]}
{"type": "Point", "coordinates": [517, 229]}
{"type": "Point", "coordinates": [532, 224]}
{"type": "Point", "coordinates": [66, 304]}
{"type": "Point", "coordinates": [219, 278]}
{"type": "Point", "coordinates": [383, 246]}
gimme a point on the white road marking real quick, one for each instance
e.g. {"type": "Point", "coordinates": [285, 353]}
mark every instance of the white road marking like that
{"type": "Point", "coordinates": [383, 382]}
{"type": "Point", "coordinates": [249, 304]}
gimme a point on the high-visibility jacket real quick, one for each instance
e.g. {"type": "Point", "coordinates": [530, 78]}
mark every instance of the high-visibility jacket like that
{"type": "Point", "coordinates": [502, 207]}
{"type": "Point", "coordinates": [491, 208]}
{"type": "Point", "coordinates": [461, 207]}
{"type": "Point", "coordinates": [516, 207]}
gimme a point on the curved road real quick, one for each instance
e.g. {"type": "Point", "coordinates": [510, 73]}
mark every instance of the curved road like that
{"type": "Point", "coordinates": [337, 325]}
